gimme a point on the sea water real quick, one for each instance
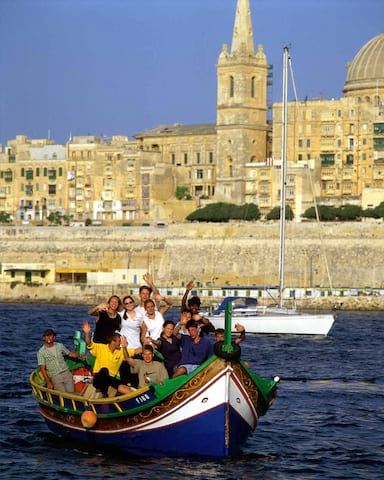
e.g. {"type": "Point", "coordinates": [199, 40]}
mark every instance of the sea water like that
{"type": "Point", "coordinates": [326, 423]}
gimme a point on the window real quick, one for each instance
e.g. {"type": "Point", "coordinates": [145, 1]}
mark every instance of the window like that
{"type": "Point", "coordinates": [231, 86]}
{"type": "Point", "coordinates": [199, 173]}
{"type": "Point", "coordinates": [29, 174]}
{"type": "Point", "coordinates": [300, 143]}
{"type": "Point", "coordinates": [327, 159]}
{"type": "Point", "coordinates": [185, 158]}
{"type": "Point", "coordinates": [308, 143]}
{"type": "Point", "coordinates": [210, 157]}
{"type": "Point", "coordinates": [173, 158]}
{"type": "Point", "coordinates": [198, 157]}
{"type": "Point", "coordinates": [378, 128]}
{"type": "Point", "coordinates": [253, 87]}
{"type": "Point", "coordinates": [37, 172]}
{"type": "Point", "coordinates": [52, 189]}
{"type": "Point", "coordinates": [350, 159]}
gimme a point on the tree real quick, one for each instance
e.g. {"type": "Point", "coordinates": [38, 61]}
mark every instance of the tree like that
{"type": "Point", "coordinates": [223, 212]}
{"type": "Point", "coordinates": [181, 193]}
{"type": "Point", "coordinates": [274, 214]}
{"type": "Point", "coordinates": [350, 212]}
{"type": "Point", "coordinates": [5, 217]}
{"type": "Point", "coordinates": [55, 218]}
{"type": "Point", "coordinates": [325, 213]}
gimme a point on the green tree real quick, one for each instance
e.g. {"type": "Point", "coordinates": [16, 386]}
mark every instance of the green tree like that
{"type": "Point", "coordinates": [223, 212]}
{"type": "Point", "coordinates": [181, 193]}
{"type": "Point", "coordinates": [379, 210]}
{"type": "Point", "coordinates": [55, 218]}
{"type": "Point", "coordinates": [274, 214]}
{"type": "Point", "coordinates": [349, 212]}
{"type": "Point", "coordinates": [325, 213]}
{"type": "Point", "coordinates": [5, 217]}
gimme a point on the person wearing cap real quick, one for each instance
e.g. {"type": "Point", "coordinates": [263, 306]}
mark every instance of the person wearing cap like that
{"type": "Point", "coordinates": [54, 368]}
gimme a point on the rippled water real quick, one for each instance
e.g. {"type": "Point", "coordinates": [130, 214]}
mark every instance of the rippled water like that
{"type": "Point", "coordinates": [327, 422]}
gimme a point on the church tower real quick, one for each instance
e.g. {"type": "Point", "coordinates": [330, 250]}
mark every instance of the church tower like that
{"type": "Point", "coordinates": [241, 109]}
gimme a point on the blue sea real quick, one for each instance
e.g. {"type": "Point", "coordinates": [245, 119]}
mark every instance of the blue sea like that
{"type": "Point", "coordinates": [326, 423]}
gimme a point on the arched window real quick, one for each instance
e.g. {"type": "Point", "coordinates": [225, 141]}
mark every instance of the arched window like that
{"type": "Point", "coordinates": [231, 86]}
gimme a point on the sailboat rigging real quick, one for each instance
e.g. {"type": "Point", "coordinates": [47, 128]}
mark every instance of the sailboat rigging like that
{"type": "Point", "coordinates": [276, 320]}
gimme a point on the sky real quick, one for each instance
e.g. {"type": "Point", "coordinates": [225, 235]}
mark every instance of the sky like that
{"type": "Point", "coordinates": [119, 67]}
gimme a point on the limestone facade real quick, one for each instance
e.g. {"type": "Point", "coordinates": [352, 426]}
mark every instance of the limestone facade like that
{"type": "Point", "coordinates": [335, 152]}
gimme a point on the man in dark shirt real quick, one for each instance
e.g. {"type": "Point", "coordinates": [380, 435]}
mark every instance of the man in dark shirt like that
{"type": "Point", "coordinates": [194, 348]}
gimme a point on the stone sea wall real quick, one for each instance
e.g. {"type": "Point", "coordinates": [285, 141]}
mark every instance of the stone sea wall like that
{"type": "Point", "coordinates": [335, 254]}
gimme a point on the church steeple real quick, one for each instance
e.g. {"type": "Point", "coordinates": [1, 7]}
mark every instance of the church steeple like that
{"type": "Point", "coordinates": [241, 110]}
{"type": "Point", "coordinates": [242, 39]}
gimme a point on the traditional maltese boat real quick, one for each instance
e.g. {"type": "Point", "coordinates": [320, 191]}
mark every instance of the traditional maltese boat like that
{"type": "Point", "coordinates": [210, 412]}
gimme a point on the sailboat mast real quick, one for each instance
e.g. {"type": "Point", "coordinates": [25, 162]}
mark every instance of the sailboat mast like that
{"type": "Point", "coordinates": [283, 174]}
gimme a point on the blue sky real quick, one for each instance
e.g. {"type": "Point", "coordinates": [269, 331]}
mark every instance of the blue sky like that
{"type": "Point", "coordinates": [118, 67]}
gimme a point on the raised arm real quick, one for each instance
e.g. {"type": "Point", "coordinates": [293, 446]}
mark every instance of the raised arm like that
{"type": "Point", "coordinates": [149, 281]}
{"type": "Point", "coordinates": [124, 345]}
{"type": "Point", "coordinates": [188, 288]}
{"type": "Point", "coordinates": [94, 311]}
{"type": "Point", "coordinates": [87, 332]}
{"type": "Point", "coordinates": [166, 307]}
{"type": "Point", "coordinates": [239, 328]}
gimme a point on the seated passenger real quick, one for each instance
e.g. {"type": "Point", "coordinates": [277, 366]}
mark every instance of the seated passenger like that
{"type": "Point", "coordinates": [108, 360]}
{"type": "Point", "coordinates": [147, 369]}
{"type": "Point", "coordinates": [169, 346]}
{"type": "Point", "coordinates": [54, 368]}
{"type": "Point", "coordinates": [219, 334]}
{"type": "Point", "coordinates": [194, 348]}
{"type": "Point", "coordinates": [108, 319]}
{"type": "Point", "coordinates": [194, 304]}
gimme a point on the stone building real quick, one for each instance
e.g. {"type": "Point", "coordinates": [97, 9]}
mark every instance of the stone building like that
{"type": "Point", "coordinates": [345, 137]}
{"type": "Point", "coordinates": [335, 151]}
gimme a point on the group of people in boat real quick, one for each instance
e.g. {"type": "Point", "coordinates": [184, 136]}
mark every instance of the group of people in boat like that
{"type": "Point", "coordinates": [132, 344]}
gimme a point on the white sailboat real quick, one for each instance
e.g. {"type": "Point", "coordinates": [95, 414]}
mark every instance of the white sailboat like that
{"type": "Point", "coordinates": [279, 319]}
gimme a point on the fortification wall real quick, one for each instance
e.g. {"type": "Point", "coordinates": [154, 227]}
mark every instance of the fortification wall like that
{"type": "Point", "coordinates": [211, 254]}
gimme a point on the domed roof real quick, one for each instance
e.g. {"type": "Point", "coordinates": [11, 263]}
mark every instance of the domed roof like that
{"type": "Point", "coordinates": [367, 68]}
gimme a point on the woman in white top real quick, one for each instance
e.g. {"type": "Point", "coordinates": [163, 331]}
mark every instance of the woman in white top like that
{"type": "Point", "coordinates": [130, 327]}
{"type": "Point", "coordinates": [153, 321]}
{"type": "Point", "coordinates": [131, 322]}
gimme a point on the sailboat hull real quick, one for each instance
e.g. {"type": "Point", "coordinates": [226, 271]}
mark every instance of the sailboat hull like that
{"type": "Point", "coordinates": [278, 321]}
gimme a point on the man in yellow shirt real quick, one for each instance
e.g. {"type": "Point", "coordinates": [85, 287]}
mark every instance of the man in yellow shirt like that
{"type": "Point", "coordinates": [109, 358]}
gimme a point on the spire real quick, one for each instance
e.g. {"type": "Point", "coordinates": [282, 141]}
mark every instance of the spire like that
{"type": "Point", "coordinates": [242, 40]}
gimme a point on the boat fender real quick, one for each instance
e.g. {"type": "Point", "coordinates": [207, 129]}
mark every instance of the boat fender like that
{"type": "Point", "coordinates": [233, 354]}
{"type": "Point", "coordinates": [88, 419]}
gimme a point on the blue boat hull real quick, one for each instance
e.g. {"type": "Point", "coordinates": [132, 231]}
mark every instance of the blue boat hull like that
{"type": "Point", "coordinates": [210, 413]}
